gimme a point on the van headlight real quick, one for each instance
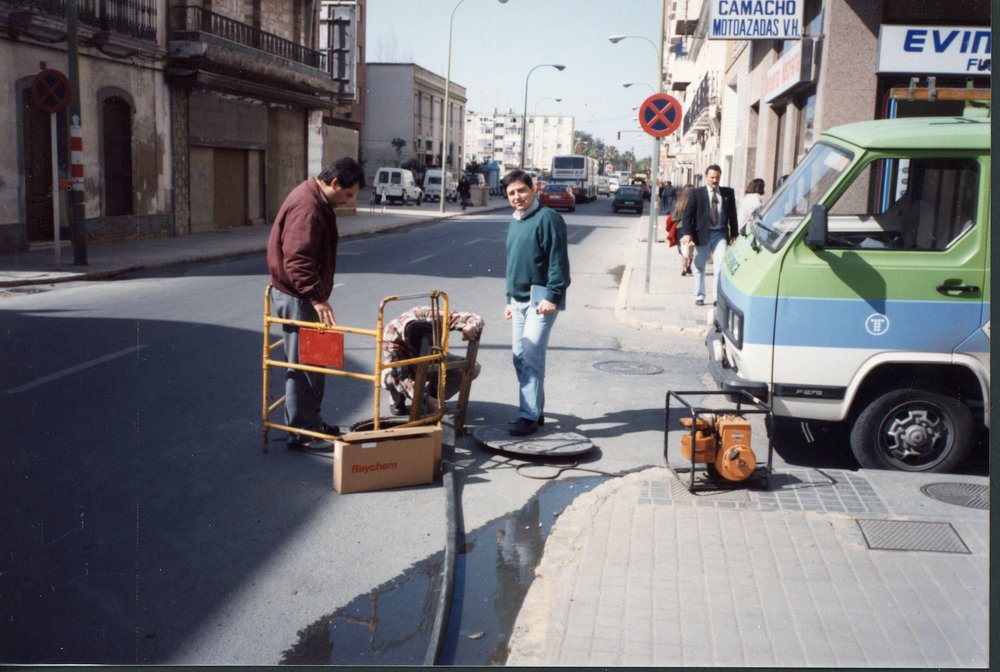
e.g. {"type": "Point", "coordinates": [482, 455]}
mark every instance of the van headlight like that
{"type": "Point", "coordinates": [732, 325]}
{"type": "Point", "coordinates": [735, 328]}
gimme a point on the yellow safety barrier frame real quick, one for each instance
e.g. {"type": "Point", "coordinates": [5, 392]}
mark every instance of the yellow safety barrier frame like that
{"type": "Point", "coordinates": [438, 354]}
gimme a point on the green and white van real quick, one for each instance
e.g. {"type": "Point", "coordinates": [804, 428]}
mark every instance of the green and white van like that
{"type": "Point", "coordinates": [861, 292]}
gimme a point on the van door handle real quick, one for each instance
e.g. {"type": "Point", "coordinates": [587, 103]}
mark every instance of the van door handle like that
{"type": "Point", "coordinates": [963, 289]}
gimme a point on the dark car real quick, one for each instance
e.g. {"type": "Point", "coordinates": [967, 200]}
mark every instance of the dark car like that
{"type": "Point", "coordinates": [628, 198]}
{"type": "Point", "coordinates": [557, 196]}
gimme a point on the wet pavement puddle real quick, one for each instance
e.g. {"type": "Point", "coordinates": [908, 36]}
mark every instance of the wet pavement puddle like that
{"type": "Point", "coordinates": [391, 625]}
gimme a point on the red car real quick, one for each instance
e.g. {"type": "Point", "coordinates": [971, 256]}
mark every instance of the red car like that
{"type": "Point", "coordinates": [557, 196]}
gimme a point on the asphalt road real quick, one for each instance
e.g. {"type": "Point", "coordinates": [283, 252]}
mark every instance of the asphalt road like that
{"type": "Point", "coordinates": [143, 524]}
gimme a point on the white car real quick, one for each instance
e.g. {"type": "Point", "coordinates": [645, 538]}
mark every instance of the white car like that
{"type": "Point", "coordinates": [396, 185]}
{"type": "Point", "coordinates": [613, 184]}
{"type": "Point", "coordinates": [603, 185]}
{"type": "Point", "coordinates": [432, 186]}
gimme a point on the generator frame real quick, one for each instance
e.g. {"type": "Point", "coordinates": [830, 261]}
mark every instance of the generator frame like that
{"type": "Point", "coordinates": [746, 404]}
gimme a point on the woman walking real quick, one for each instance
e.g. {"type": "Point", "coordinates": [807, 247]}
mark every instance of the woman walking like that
{"type": "Point", "coordinates": [753, 198]}
{"type": "Point", "coordinates": [673, 220]}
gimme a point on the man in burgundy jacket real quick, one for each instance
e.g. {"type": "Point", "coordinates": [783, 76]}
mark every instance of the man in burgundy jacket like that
{"type": "Point", "coordinates": [302, 258]}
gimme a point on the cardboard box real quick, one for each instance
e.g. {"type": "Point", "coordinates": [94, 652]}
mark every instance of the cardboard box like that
{"type": "Point", "coordinates": [387, 458]}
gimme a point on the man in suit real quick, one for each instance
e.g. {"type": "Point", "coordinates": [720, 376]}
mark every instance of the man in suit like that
{"type": "Point", "coordinates": [710, 222]}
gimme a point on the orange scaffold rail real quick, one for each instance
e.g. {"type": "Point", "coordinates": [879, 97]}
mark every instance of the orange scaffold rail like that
{"type": "Point", "coordinates": [438, 355]}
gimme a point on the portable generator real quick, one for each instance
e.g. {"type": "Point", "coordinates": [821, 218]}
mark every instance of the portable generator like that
{"type": "Point", "coordinates": [722, 441]}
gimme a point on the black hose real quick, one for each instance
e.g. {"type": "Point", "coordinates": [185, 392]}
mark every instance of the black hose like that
{"type": "Point", "coordinates": [438, 629]}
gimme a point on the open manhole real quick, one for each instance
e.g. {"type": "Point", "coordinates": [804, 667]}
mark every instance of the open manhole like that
{"type": "Point", "coordinates": [969, 495]}
{"type": "Point", "coordinates": [629, 368]}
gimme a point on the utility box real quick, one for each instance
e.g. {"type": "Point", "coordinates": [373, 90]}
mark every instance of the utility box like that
{"type": "Point", "coordinates": [386, 458]}
{"type": "Point", "coordinates": [480, 196]}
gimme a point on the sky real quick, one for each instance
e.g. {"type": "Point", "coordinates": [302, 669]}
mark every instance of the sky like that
{"type": "Point", "coordinates": [495, 45]}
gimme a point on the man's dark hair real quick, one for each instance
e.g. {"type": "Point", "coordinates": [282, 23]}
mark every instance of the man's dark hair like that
{"type": "Point", "coordinates": [346, 171]}
{"type": "Point", "coordinates": [714, 167]}
{"type": "Point", "coordinates": [517, 175]}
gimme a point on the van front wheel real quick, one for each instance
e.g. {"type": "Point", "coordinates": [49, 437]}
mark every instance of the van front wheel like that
{"type": "Point", "coordinates": [912, 430]}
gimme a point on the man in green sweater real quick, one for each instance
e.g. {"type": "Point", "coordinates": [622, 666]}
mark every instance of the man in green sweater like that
{"type": "Point", "coordinates": [537, 278]}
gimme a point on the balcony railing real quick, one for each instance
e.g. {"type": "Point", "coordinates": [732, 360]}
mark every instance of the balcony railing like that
{"type": "Point", "coordinates": [136, 18]}
{"type": "Point", "coordinates": [705, 96]}
{"type": "Point", "coordinates": [198, 19]}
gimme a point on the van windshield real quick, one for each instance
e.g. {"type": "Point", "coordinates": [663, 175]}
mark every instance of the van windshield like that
{"type": "Point", "coordinates": [781, 215]}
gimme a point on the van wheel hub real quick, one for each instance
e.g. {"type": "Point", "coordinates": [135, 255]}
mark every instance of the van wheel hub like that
{"type": "Point", "coordinates": [914, 433]}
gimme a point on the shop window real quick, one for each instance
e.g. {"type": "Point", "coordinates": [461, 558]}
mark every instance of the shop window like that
{"type": "Point", "coordinates": [117, 138]}
{"type": "Point", "coordinates": [907, 204]}
{"type": "Point", "coordinates": [938, 12]}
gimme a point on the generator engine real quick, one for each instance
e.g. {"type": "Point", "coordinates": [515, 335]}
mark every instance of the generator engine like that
{"type": "Point", "coordinates": [722, 441]}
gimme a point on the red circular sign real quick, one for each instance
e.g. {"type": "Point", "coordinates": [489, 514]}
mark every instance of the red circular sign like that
{"type": "Point", "coordinates": [50, 90]}
{"type": "Point", "coordinates": [660, 115]}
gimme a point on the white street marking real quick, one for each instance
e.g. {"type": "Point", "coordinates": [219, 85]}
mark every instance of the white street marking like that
{"type": "Point", "coordinates": [74, 369]}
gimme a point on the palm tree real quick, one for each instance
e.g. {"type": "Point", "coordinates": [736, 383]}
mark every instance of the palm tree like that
{"type": "Point", "coordinates": [398, 144]}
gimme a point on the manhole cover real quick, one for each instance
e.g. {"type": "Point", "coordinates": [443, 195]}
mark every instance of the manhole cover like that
{"type": "Point", "coordinates": [911, 535]}
{"type": "Point", "coordinates": [26, 290]}
{"type": "Point", "coordinates": [548, 440]}
{"type": "Point", "coordinates": [629, 368]}
{"type": "Point", "coordinates": [969, 495]}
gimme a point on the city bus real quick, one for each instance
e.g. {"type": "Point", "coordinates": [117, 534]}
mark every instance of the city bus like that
{"type": "Point", "coordinates": [579, 172]}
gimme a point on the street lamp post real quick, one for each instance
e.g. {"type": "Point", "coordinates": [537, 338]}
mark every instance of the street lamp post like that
{"type": "Point", "coordinates": [447, 103]}
{"type": "Point", "coordinates": [542, 100]}
{"type": "Point", "coordinates": [524, 119]}
{"type": "Point", "coordinates": [628, 84]}
{"type": "Point", "coordinates": [655, 168]}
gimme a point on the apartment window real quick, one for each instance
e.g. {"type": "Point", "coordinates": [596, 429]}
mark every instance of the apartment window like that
{"type": "Point", "coordinates": [117, 140]}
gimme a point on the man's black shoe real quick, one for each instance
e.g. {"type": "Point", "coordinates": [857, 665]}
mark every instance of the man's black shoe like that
{"type": "Point", "coordinates": [523, 427]}
{"type": "Point", "coordinates": [699, 302]}
{"type": "Point", "coordinates": [541, 421]}
{"type": "Point", "coordinates": [332, 430]}
{"type": "Point", "coordinates": [399, 408]}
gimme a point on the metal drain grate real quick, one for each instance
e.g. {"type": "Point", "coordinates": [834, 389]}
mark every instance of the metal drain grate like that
{"type": "Point", "coordinates": [911, 535]}
{"type": "Point", "coordinates": [969, 495]}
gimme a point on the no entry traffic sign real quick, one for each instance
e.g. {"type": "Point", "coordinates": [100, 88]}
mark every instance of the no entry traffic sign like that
{"type": "Point", "coordinates": [50, 90]}
{"type": "Point", "coordinates": [660, 115]}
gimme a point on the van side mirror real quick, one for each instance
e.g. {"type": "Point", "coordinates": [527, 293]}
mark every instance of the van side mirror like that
{"type": "Point", "coordinates": [816, 233]}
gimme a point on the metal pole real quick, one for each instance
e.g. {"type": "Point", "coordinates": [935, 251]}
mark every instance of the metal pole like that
{"type": "Point", "coordinates": [78, 231]}
{"type": "Point", "coordinates": [524, 119]}
{"type": "Point", "coordinates": [655, 169]}
{"type": "Point", "coordinates": [56, 209]}
{"type": "Point", "coordinates": [447, 103]}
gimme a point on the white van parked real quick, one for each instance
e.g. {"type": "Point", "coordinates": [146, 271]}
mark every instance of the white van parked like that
{"type": "Point", "coordinates": [396, 185]}
{"type": "Point", "coordinates": [432, 186]}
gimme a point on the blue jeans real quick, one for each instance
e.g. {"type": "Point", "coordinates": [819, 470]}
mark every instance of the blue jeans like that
{"type": "Point", "coordinates": [303, 389]}
{"type": "Point", "coordinates": [717, 245]}
{"type": "Point", "coordinates": [530, 338]}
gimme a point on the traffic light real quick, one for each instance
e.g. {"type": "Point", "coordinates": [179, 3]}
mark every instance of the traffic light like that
{"type": "Point", "coordinates": [619, 135]}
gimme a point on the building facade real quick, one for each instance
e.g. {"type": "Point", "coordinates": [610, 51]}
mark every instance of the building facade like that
{"type": "Point", "coordinates": [497, 136]}
{"type": "Point", "coordinates": [406, 101]}
{"type": "Point", "coordinates": [123, 124]}
{"type": "Point", "coordinates": [193, 116]}
{"type": "Point", "coordinates": [756, 106]}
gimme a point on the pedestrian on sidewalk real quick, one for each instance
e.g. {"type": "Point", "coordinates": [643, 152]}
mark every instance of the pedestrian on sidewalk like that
{"type": "Point", "coordinates": [710, 222]}
{"type": "Point", "coordinates": [674, 220]}
{"type": "Point", "coordinates": [302, 258]}
{"type": "Point", "coordinates": [753, 198]}
{"type": "Point", "coordinates": [667, 196]}
{"type": "Point", "coordinates": [537, 278]}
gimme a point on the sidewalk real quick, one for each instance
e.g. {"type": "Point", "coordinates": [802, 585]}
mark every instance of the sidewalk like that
{"type": "Point", "coordinates": [829, 568]}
